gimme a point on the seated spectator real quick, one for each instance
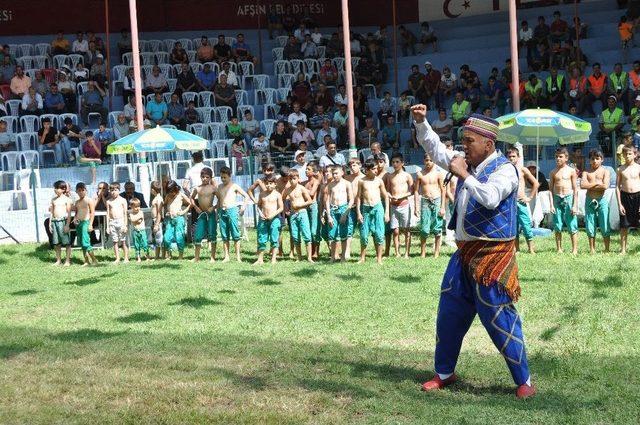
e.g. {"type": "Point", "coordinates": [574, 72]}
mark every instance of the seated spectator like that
{"type": "Point", "coordinates": [443, 125]}
{"type": "Point", "coordinates": [388, 106]}
{"type": "Point", "coordinates": [60, 45]}
{"type": "Point", "coordinates": [206, 78]}
{"type": "Point", "coordinates": [40, 84]}
{"type": "Point", "coordinates": [368, 134]}
{"type": "Point", "coordinates": [559, 55]}
{"type": "Point", "coordinates": [239, 152]}
{"type": "Point", "coordinates": [407, 41]}
{"type": "Point", "coordinates": [532, 92]}
{"type": "Point", "coordinates": [80, 46]}
{"type": "Point", "coordinates": [20, 83]}
{"type": "Point", "coordinates": [404, 108]}
{"type": "Point", "coordinates": [448, 86]}
{"type": "Point", "coordinates": [364, 72]}
{"type": "Point", "coordinates": [92, 54]}
{"type": "Point", "coordinates": [525, 39]}
{"type": "Point", "coordinates": [233, 128]}
{"type": "Point", "coordinates": [335, 47]}
{"type": "Point", "coordinates": [493, 96]}
{"type": "Point", "coordinates": [157, 111]}
{"type": "Point", "coordinates": [124, 44]}
{"type": "Point", "coordinates": [474, 95]}
{"type": "Point", "coordinates": [53, 101]}
{"type": "Point", "coordinates": [7, 70]}
{"type": "Point", "coordinates": [98, 72]}
{"type": "Point", "coordinates": [205, 52]}
{"type": "Point", "coordinates": [432, 78]}
{"type": "Point", "coordinates": [634, 80]}
{"type": "Point", "coordinates": [178, 54]}
{"type": "Point", "coordinates": [332, 157]}
{"type": "Point", "coordinates": [250, 127]}
{"type": "Point", "coordinates": [577, 89]}
{"type": "Point", "coordinates": [576, 59]}
{"type": "Point", "coordinates": [340, 122]}
{"type": "Point", "coordinates": [121, 127]}
{"type": "Point", "coordinates": [618, 86]}
{"type": "Point", "coordinates": [301, 90]}
{"type": "Point", "coordinates": [223, 50]}
{"type": "Point", "coordinates": [324, 97]}
{"type": "Point", "coordinates": [186, 81]}
{"type": "Point", "coordinates": [611, 122]}
{"type": "Point", "coordinates": [326, 130]}
{"type": "Point", "coordinates": [505, 74]}
{"type": "Point", "coordinates": [91, 154]}
{"type": "Point", "coordinates": [296, 115]}
{"type": "Point", "coordinates": [156, 82]}
{"type": "Point", "coordinates": [329, 73]}
{"type": "Point", "coordinates": [130, 194]}
{"type": "Point", "coordinates": [93, 101]}
{"type": "Point", "coordinates": [416, 84]}
{"type": "Point", "coordinates": [301, 32]}
{"type": "Point", "coordinates": [559, 30]}
{"type": "Point", "coordinates": [361, 105]}
{"type": "Point", "coordinates": [7, 139]}
{"type": "Point", "coordinates": [280, 141]}
{"type": "Point", "coordinates": [540, 58]}
{"type": "Point", "coordinates": [92, 38]}
{"type": "Point", "coordinates": [376, 152]}
{"type": "Point", "coordinates": [129, 109]}
{"type": "Point", "coordinates": [460, 111]}
{"type": "Point", "coordinates": [341, 97]}
{"type": "Point", "coordinates": [104, 135]}
{"type": "Point", "coordinates": [634, 115]}
{"type": "Point", "coordinates": [466, 75]}
{"type": "Point", "coordinates": [316, 120]}
{"type": "Point", "coordinates": [309, 49]}
{"type": "Point", "coordinates": [49, 137]}
{"type": "Point", "coordinates": [428, 36]}
{"type": "Point", "coordinates": [302, 134]}
{"type": "Point", "coordinates": [285, 108]}
{"type": "Point", "coordinates": [596, 89]}
{"type": "Point", "coordinates": [32, 103]}
{"type": "Point", "coordinates": [578, 31]}
{"type": "Point", "coordinates": [80, 73]}
{"type": "Point", "coordinates": [191, 115]}
{"type": "Point", "coordinates": [232, 78]}
{"type": "Point", "coordinates": [260, 149]}
{"type": "Point", "coordinates": [128, 85]}
{"type": "Point", "coordinates": [391, 135]}
{"type": "Point", "coordinates": [241, 51]}
{"type": "Point", "coordinates": [544, 184]}
{"type": "Point", "coordinates": [355, 46]}
{"type": "Point", "coordinates": [292, 49]}
{"type": "Point", "coordinates": [316, 36]}
{"type": "Point", "coordinates": [225, 94]}
{"type": "Point", "coordinates": [175, 113]}
{"type": "Point", "coordinates": [541, 31]}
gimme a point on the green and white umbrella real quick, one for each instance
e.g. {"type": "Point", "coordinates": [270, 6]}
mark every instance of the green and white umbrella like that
{"type": "Point", "coordinates": [158, 139]}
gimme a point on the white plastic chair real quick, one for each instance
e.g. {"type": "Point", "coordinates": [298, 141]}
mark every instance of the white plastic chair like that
{"type": "Point", "coordinates": [9, 160]}
{"type": "Point", "coordinates": [29, 123]}
{"type": "Point", "coordinates": [216, 131]}
{"type": "Point", "coordinates": [277, 53]}
{"type": "Point", "coordinates": [242, 109]}
{"type": "Point", "coordinates": [189, 96]}
{"type": "Point", "coordinates": [206, 99]}
{"type": "Point", "coordinates": [119, 163]}
{"type": "Point", "coordinates": [12, 123]}
{"type": "Point", "coordinates": [265, 96]}
{"type": "Point", "coordinates": [206, 114]}
{"type": "Point", "coordinates": [242, 97]}
{"type": "Point", "coordinates": [27, 141]}
{"type": "Point", "coordinates": [267, 127]}
{"type": "Point", "coordinates": [198, 129]}
{"type": "Point", "coordinates": [282, 67]}
{"type": "Point", "coordinates": [223, 114]}
{"type": "Point", "coordinates": [260, 81]}
{"type": "Point", "coordinates": [13, 107]}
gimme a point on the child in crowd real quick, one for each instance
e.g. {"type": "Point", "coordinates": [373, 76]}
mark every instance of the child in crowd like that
{"type": "Point", "coordinates": [157, 206]}
{"type": "Point", "coordinates": [596, 205]}
{"type": "Point", "coordinates": [229, 213]}
{"type": "Point", "coordinates": [627, 140]}
{"type": "Point", "coordinates": [354, 176]}
{"type": "Point", "coordinates": [524, 218]}
{"type": "Point", "coordinates": [372, 209]}
{"type": "Point", "coordinates": [238, 151]}
{"type": "Point", "coordinates": [269, 206]}
{"type": "Point", "coordinates": [191, 113]}
{"type": "Point", "coordinates": [312, 185]}
{"type": "Point", "coordinates": [85, 212]}
{"type": "Point", "coordinates": [234, 129]}
{"type": "Point", "coordinates": [430, 197]}
{"type": "Point", "coordinates": [299, 200]}
{"type": "Point", "coordinates": [399, 185]}
{"type": "Point", "coordinates": [139, 230]}
{"type": "Point", "coordinates": [404, 107]}
{"type": "Point", "coordinates": [564, 202]}
{"type": "Point", "coordinates": [327, 178]}
{"type": "Point", "coordinates": [202, 199]}
{"type": "Point", "coordinates": [628, 193]}
{"type": "Point", "coordinates": [176, 205]}
{"type": "Point", "coordinates": [60, 221]}
{"type": "Point", "coordinates": [338, 201]}
{"type": "Point", "coordinates": [117, 222]}
{"type": "Point", "coordinates": [260, 149]}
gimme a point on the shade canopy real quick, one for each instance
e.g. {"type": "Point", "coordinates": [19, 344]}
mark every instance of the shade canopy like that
{"type": "Point", "coordinates": [542, 127]}
{"type": "Point", "coordinates": [158, 139]}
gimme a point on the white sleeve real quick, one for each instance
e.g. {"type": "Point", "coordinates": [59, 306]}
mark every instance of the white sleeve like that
{"type": "Point", "coordinates": [431, 143]}
{"type": "Point", "coordinates": [498, 187]}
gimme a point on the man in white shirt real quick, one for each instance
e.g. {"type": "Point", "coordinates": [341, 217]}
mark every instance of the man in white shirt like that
{"type": "Point", "coordinates": [525, 39]}
{"type": "Point", "coordinates": [376, 149]}
{"type": "Point", "coordinates": [296, 115]}
{"type": "Point", "coordinates": [301, 165]}
{"type": "Point", "coordinates": [232, 78]}
{"type": "Point", "coordinates": [481, 277]}
{"type": "Point", "coordinates": [32, 103]}
{"type": "Point", "coordinates": [332, 157]}
{"type": "Point", "coordinates": [192, 178]}
{"type": "Point", "coordinates": [80, 45]}
{"type": "Point", "coordinates": [341, 97]}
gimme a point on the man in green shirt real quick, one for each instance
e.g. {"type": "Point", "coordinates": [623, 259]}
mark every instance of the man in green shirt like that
{"type": "Point", "coordinates": [611, 122]}
{"type": "Point", "coordinates": [460, 110]}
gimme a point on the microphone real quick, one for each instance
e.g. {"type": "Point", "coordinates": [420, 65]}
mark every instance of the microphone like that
{"type": "Point", "coordinates": [449, 175]}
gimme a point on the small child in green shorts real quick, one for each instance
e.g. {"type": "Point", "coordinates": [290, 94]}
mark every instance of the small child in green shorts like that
{"type": "Point", "coordinates": [312, 185]}
{"type": "Point", "coordinates": [202, 199]}
{"type": "Point", "coordinates": [299, 201]}
{"type": "Point", "coordinates": [229, 212]}
{"type": "Point", "coordinates": [139, 231]}
{"type": "Point", "coordinates": [430, 198]}
{"type": "Point", "coordinates": [372, 209]}
{"type": "Point", "coordinates": [85, 212]}
{"type": "Point", "coordinates": [564, 202]}
{"type": "Point", "coordinates": [176, 205]}
{"type": "Point", "coordinates": [596, 207]}
{"type": "Point", "coordinates": [338, 203]}
{"type": "Point", "coordinates": [59, 222]}
{"type": "Point", "coordinates": [269, 206]}
{"type": "Point", "coordinates": [522, 208]}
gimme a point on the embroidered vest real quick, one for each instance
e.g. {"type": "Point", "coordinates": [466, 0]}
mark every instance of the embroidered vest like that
{"type": "Point", "coordinates": [482, 223]}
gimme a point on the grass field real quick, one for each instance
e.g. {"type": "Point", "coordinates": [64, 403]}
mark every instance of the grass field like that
{"type": "Point", "coordinates": [174, 342]}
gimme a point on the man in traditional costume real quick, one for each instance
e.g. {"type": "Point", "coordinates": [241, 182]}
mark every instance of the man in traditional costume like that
{"type": "Point", "coordinates": [482, 276]}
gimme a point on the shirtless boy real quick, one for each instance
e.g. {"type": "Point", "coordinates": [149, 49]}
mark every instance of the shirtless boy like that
{"type": "Point", "coordinates": [596, 207]}
{"type": "Point", "coordinates": [117, 222]}
{"type": "Point", "coordinates": [338, 201]}
{"type": "Point", "coordinates": [524, 218]}
{"type": "Point", "coordinates": [229, 212]}
{"type": "Point", "coordinates": [299, 201]}
{"type": "Point", "coordinates": [269, 206]}
{"type": "Point", "coordinates": [564, 201]}
{"type": "Point", "coordinates": [353, 177]}
{"type": "Point", "coordinates": [139, 231]}
{"type": "Point", "coordinates": [157, 205]}
{"type": "Point", "coordinates": [312, 185]}
{"type": "Point", "coordinates": [372, 209]}
{"type": "Point", "coordinates": [628, 191]}
{"type": "Point", "coordinates": [399, 185]}
{"type": "Point", "coordinates": [176, 205]}
{"type": "Point", "coordinates": [327, 178]}
{"type": "Point", "coordinates": [202, 203]}
{"type": "Point", "coordinates": [85, 212]}
{"type": "Point", "coordinates": [59, 222]}
{"type": "Point", "coordinates": [430, 197]}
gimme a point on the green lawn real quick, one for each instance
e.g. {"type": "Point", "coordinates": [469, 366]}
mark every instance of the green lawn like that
{"type": "Point", "coordinates": [174, 342]}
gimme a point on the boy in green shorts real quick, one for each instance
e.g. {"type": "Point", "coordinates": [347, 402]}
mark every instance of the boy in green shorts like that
{"type": "Point", "coordinates": [430, 197]}
{"type": "Point", "coordinates": [59, 222]}
{"type": "Point", "coordinates": [564, 202]}
{"type": "Point", "coordinates": [269, 205]}
{"type": "Point", "coordinates": [313, 187]}
{"type": "Point", "coordinates": [524, 219]}
{"type": "Point", "coordinates": [299, 200]}
{"type": "Point", "coordinates": [202, 202]}
{"type": "Point", "coordinates": [229, 212]}
{"type": "Point", "coordinates": [139, 231]}
{"type": "Point", "coordinates": [372, 209]}
{"type": "Point", "coordinates": [596, 207]}
{"type": "Point", "coordinates": [338, 201]}
{"type": "Point", "coordinates": [85, 212]}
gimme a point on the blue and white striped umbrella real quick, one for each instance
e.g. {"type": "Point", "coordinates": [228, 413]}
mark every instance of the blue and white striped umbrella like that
{"type": "Point", "coordinates": [158, 139]}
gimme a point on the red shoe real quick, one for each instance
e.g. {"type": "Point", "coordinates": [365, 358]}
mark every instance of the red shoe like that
{"type": "Point", "coordinates": [525, 391]}
{"type": "Point", "coordinates": [437, 384]}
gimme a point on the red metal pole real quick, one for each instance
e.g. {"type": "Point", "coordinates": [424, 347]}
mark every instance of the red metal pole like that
{"type": "Point", "coordinates": [395, 46]}
{"type": "Point", "coordinates": [108, 52]}
{"type": "Point", "coordinates": [348, 78]}
{"type": "Point", "coordinates": [137, 75]}
{"type": "Point", "coordinates": [515, 68]}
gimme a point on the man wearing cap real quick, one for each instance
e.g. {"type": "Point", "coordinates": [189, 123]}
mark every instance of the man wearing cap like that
{"type": "Point", "coordinates": [301, 164]}
{"type": "Point", "coordinates": [542, 179]}
{"type": "Point", "coordinates": [611, 122]}
{"type": "Point", "coordinates": [482, 276]}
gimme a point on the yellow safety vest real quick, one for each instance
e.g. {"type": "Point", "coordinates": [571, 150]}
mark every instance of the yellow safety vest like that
{"type": "Point", "coordinates": [458, 111]}
{"type": "Point", "coordinates": [618, 83]}
{"type": "Point", "coordinates": [559, 81]}
{"type": "Point", "coordinates": [611, 119]}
